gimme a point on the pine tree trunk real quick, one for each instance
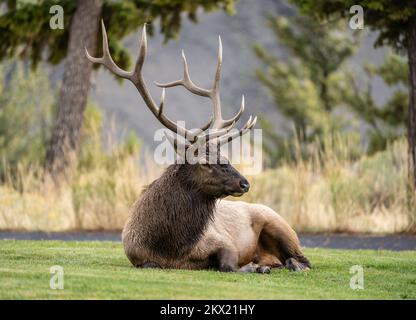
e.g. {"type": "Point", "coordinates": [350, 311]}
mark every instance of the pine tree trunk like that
{"type": "Point", "coordinates": [411, 48]}
{"type": "Point", "coordinates": [74, 91]}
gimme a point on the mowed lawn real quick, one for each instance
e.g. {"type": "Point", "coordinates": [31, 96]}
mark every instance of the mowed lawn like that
{"type": "Point", "coordinates": [100, 270]}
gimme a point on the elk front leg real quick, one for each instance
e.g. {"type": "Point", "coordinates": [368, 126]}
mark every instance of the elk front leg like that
{"type": "Point", "coordinates": [279, 239]}
{"type": "Point", "coordinates": [227, 260]}
{"type": "Point", "coordinates": [282, 241]}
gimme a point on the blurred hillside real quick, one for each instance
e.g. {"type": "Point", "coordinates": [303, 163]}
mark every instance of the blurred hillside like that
{"type": "Point", "coordinates": [121, 102]}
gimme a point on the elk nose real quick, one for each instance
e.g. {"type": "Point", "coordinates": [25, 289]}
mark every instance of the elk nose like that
{"type": "Point", "coordinates": [244, 185]}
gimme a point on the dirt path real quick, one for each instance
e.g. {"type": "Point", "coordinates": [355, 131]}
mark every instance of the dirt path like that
{"type": "Point", "coordinates": [338, 241]}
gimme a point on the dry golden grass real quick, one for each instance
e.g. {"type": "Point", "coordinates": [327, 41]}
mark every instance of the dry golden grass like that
{"type": "Point", "coordinates": [334, 193]}
{"type": "Point", "coordinates": [336, 189]}
{"type": "Point", "coordinates": [343, 195]}
{"type": "Point", "coordinates": [96, 199]}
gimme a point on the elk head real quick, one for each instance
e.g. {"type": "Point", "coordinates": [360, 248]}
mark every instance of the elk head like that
{"type": "Point", "coordinates": [199, 148]}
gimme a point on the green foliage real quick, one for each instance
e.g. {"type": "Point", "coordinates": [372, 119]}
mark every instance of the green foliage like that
{"type": "Point", "coordinates": [385, 122]}
{"type": "Point", "coordinates": [107, 178]}
{"type": "Point", "coordinates": [394, 70]}
{"type": "Point", "coordinates": [25, 31]}
{"type": "Point", "coordinates": [311, 84]}
{"type": "Point", "coordinates": [303, 85]}
{"type": "Point", "coordinates": [26, 103]}
{"type": "Point", "coordinates": [94, 152]}
{"type": "Point", "coordinates": [26, 112]}
{"type": "Point", "coordinates": [390, 18]}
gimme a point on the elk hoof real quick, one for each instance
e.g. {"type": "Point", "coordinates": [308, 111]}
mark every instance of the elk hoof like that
{"type": "Point", "coordinates": [294, 265]}
{"type": "Point", "coordinates": [226, 268]}
{"type": "Point", "coordinates": [263, 269]}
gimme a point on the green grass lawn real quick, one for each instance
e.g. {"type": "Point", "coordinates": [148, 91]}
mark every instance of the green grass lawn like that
{"type": "Point", "coordinates": [100, 270]}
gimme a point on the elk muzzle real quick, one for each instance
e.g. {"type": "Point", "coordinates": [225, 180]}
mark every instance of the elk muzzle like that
{"type": "Point", "coordinates": [238, 187]}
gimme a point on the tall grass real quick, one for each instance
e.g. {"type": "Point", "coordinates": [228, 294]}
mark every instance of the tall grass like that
{"type": "Point", "coordinates": [331, 185]}
{"type": "Point", "coordinates": [96, 199]}
{"type": "Point", "coordinates": [108, 178]}
{"type": "Point", "coordinates": [330, 192]}
{"type": "Point", "coordinates": [105, 185]}
{"type": "Point", "coordinates": [334, 191]}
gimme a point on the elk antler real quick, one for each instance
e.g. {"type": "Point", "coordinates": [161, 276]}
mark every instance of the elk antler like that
{"type": "Point", "coordinates": [213, 94]}
{"type": "Point", "coordinates": [136, 77]}
{"type": "Point", "coordinates": [220, 128]}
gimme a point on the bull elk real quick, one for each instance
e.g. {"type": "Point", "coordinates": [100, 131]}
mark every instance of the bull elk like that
{"type": "Point", "coordinates": [180, 219]}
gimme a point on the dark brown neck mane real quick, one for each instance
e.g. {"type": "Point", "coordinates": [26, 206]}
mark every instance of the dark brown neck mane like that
{"type": "Point", "coordinates": [173, 212]}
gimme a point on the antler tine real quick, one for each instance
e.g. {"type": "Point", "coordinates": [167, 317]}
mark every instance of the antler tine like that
{"type": "Point", "coordinates": [237, 116]}
{"type": "Point", "coordinates": [219, 122]}
{"type": "Point", "coordinates": [142, 52]}
{"type": "Point", "coordinates": [215, 92]}
{"type": "Point", "coordinates": [106, 59]}
{"type": "Point", "coordinates": [216, 85]}
{"type": "Point", "coordinates": [186, 81]}
{"type": "Point", "coordinates": [223, 135]}
{"type": "Point", "coordinates": [208, 124]}
{"type": "Point", "coordinates": [214, 134]}
{"type": "Point", "coordinates": [196, 132]}
{"type": "Point", "coordinates": [162, 102]}
{"type": "Point", "coordinates": [247, 127]}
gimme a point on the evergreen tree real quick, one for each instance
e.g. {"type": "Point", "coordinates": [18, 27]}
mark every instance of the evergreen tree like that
{"type": "Point", "coordinates": [25, 32]}
{"type": "Point", "coordinates": [385, 122]}
{"type": "Point", "coordinates": [302, 84]}
{"type": "Point", "coordinates": [25, 116]}
{"type": "Point", "coordinates": [395, 22]}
